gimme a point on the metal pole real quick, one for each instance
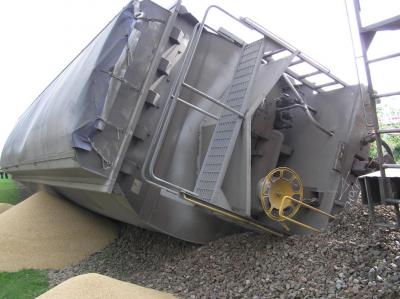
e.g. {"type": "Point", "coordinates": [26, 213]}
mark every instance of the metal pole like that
{"type": "Point", "coordinates": [382, 180]}
{"type": "Point", "coordinates": [384, 57]}
{"type": "Point", "coordinates": [384, 95]}
{"type": "Point", "coordinates": [389, 131]}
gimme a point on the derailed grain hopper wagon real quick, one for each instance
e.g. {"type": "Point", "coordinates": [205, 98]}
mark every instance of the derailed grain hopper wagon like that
{"type": "Point", "coordinates": [169, 124]}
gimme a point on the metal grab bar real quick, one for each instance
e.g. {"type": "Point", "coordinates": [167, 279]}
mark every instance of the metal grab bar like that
{"type": "Point", "coordinates": [173, 100]}
{"type": "Point", "coordinates": [166, 116]}
{"type": "Point", "coordinates": [282, 215]}
{"type": "Point", "coordinates": [160, 132]}
{"type": "Point", "coordinates": [212, 99]}
{"type": "Point", "coordinates": [197, 108]}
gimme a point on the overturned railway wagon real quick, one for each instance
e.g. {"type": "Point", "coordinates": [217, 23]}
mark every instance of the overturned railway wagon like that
{"type": "Point", "coordinates": [167, 123]}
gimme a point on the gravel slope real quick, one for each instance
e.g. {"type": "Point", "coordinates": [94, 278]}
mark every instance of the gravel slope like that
{"type": "Point", "coordinates": [351, 259]}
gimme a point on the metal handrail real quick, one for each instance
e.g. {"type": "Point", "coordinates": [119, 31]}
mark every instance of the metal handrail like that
{"type": "Point", "coordinates": [159, 134]}
{"type": "Point", "coordinates": [170, 106]}
{"type": "Point", "coordinates": [195, 90]}
{"type": "Point", "coordinates": [197, 108]}
{"type": "Point", "coordinates": [301, 203]}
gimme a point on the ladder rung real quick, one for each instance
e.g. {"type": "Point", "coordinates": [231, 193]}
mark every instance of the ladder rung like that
{"type": "Point", "coordinates": [384, 57]}
{"type": "Point", "coordinates": [297, 62]}
{"type": "Point", "coordinates": [391, 165]}
{"type": "Point", "coordinates": [326, 84]}
{"type": "Point", "coordinates": [268, 54]}
{"type": "Point", "coordinates": [388, 24]}
{"type": "Point", "coordinates": [308, 83]}
{"type": "Point", "coordinates": [305, 82]}
{"type": "Point", "coordinates": [309, 74]}
{"type": "Point", "coordinates": [302, 78]}
{"type": "Point", "coordinates": [385, 95]}
{"type": "Point", "coordinates": [388, 131]}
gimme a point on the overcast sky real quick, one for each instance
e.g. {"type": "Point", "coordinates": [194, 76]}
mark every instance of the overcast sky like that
{"type": "Point", "coordinates": [39, 38]}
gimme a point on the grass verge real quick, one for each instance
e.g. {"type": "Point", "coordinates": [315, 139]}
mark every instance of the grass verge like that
{"type": "Point", "coordinates": [9, 191]}
{"type": "Point", "coordinates": [25, 284]}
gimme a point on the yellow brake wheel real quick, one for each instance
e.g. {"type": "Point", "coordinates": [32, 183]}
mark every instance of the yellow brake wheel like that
{"type": "Point", "coordinates": [281, 182]}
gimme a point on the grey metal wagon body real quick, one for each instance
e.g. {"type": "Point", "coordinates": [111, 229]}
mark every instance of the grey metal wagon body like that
{"type": "Point", "coordinates": [159, 108]}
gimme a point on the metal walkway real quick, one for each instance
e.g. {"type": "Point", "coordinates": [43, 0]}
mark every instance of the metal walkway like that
{"type": "Point", "coordinates": [227, 128]}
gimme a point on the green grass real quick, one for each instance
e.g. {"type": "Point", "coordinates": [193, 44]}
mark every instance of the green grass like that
{"type": "Point", "coordinates": [9, 192]}
{"type": "Point", "coordinates": [25, 284]}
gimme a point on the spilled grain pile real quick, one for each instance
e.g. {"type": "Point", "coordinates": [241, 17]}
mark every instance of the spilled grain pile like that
{"type": "Point", "coordinates": [4, 207]}
{"type": "Point", "coordinates": [98, 286]}
{"type": "Point", "coordinates": [47, 232]}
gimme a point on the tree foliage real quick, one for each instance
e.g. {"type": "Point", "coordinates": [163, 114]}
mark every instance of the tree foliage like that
{"type": "Point", "coordinates": [393, 140]}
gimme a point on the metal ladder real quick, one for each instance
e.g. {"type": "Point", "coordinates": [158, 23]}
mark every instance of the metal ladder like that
{"type": "Point", "coordinates": [227, 128]}
{"type": "Point", "coordinates": [366, 36]}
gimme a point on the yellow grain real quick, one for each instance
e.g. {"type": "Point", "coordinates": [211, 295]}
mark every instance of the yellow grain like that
{"type": "Point", "coordinates": [96, 286]}
{"type": "Point", "coordinates": [48, 232]}
{"type": "Point", "coordinates": [4, 207]}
